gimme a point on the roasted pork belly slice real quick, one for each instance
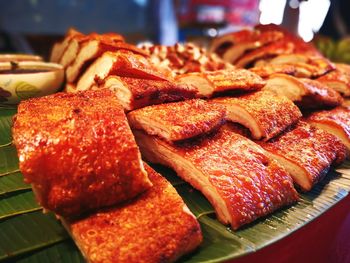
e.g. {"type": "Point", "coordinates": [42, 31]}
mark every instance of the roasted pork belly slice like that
{"type": "Point", "coordinates": [266, 70]}
{"type": "Point", "coordinates": [338, 79]}
{"type": "Point", "coordinates": [134, 93]}
{"type": "Point", "coordinates": [155, 227]}
{"type": "Point", "coordinates": [120, 63]}
{"type": "Point", "coordinates": [184, 58]}
{"type": "Point", "coordinates": [210, 83]}
{"type": "Point", "coordinates": [78, 152]}
{"type": "Point", "coordinates": [77, 41]}
{"type": "Point", "coordinates": [178, 120]}
{"type": "Point", "coordinates": [264, 113]}
{"type": "Point", "coordinates": [335, 121]}
{"type": "Point", "coordinates": [270, 50]}
{"type": "Point", "coordinates": [233, 45]}
{"type": "Point", "coordinates": [92, 49]}
{"type": "Point", "coordinates": [306, 93]}
{"type": "Point", "coordinates": [234, 173]}
{"type": "Point", "coordinates": [60, 47]}
{"type": "Point", "coordinates": [306, 152]}
{"type": "Point", "coordinates": [306, 66]}
{"type": "Point", "coordinates": [301, 47]}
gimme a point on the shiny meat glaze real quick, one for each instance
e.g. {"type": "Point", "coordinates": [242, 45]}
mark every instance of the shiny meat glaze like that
{"type": "Point", "coordinates": [145, 92]}
{"type": "Point", "coordinates": [270, 113]}
{"type": "Point", "coordinates": [184, 58]}
{"type": "Point", "coordinates": [234, 173]}
{"type": "Point", "coordinates": [301, 47]}
{"type": "Point", "coordinates": [178, 120]}
{"type": "Point", "coordinates": [306, 93]}
{"type": "Point", "coordinates": [235, 79]}
{"type": "Point", "coordinates": [155, 227]}
{"type": "Point", "coordinates": [311, 149]}
{"type": "Point", "coordinates": [267, 70]}
{"type": "Point", "coordinates": [335, 121]}
{"type": "Point", "coordinates": [319, 95]}
{"type": "Point", "coordinates": [209, 84]}
{"type": "Point", "coordinates": [78, 152]}
{"type": "Point", "coordinates": [338, 79]}
{"type": "Point", "coordinates": [233, 45]}
{"type": "Point", "coordinates": [273, 49]}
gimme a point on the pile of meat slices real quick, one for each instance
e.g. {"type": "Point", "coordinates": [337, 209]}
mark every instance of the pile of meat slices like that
{"type": "Point", "coordinates": [245, 137]}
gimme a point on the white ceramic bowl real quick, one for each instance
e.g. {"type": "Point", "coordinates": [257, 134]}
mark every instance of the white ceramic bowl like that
{"type": "Point", "coordinates": [19, 57]}
{"type": "Point", "coordinates": [23, 80]}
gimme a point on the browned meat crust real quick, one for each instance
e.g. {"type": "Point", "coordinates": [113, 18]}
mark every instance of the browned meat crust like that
{"type": "Point", "coordinates": [134, 93]}
{"type": "Point", "coordinates": [179, 120]}
{"type": "Point", "coordinates": [306, 152]}
{"type": "Point", "coordinates": [155, 227]}
{"type": "Point", "coordinates": [123, 64]}
{"type": "Point", "coordinates": [234, 173]}
{"type": "Point", "coordinates": [306, 93]}
{"type": "Point", "coordinates": [233, 45]}
{"type": "Point", "coordinates": [335, 121]}
{"type": "Point", "coordinates": [338, 79]}
{"type": "Point", "coordinates": [78, 152]}
{"type": "Point", "coordinates": [185, 58]}
{"type": "Point", "coordinates": [265, 113]}
{"type": "Point", "coordinates": [211, 83]}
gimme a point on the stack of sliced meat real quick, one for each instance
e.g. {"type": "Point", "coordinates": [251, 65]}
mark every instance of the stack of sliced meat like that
{"type": "Point", "coordinates": [241, 137]}
{"type": "Point", "coordinates": [105, 61]}
{"type": "Point", "coordinates": [80, 156]}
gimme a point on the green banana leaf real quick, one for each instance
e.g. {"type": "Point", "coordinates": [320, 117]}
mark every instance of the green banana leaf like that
{"type": "Point", "coordinates": [27, 236]}
{"type": "Point", "coordinates": [12, 183]}
{"type": "Point", "coordinates": [5, 126]}
{"type": "Point", "coordinates": [17, 204]}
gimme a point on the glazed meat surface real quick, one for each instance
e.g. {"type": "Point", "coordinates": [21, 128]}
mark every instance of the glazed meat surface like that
{"type": "Point", "coordinates": [211, 83]}
{"type": "Point", "coordinates": [184, 58]}
{"type": "Point", "coordinates": [78, 152]}
{"type": "Point", "coordinates": [264, 113]}
{"type": "Point", "coordinates": [306, 93]}
{"type": "Point", "coordinates": [306, 152]}
{"type": "Point", "coordinates": [338, 79]}
{"type": "Point", "coordinates": [134, 93]}
{"type": "Point", "coordinates": [235, 174]}
{"type": "Point", "coordinates": [179, 120]}
{"type": "Point", "coordinates": [335, 121]}
{"type": "Point", "coordinates": [155, 227]}
{"type": "Point", "coordinates": [121, 63]}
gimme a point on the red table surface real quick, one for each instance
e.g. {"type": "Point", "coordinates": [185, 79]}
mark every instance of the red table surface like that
{"type": "Point", "coordinates": [324, 240]}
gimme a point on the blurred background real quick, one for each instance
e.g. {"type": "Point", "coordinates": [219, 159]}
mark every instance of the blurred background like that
{"type": "Point", "coordinates": [32, 26]}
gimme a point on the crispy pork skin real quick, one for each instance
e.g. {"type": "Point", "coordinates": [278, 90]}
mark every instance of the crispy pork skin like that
{"type": "Point", "coordinates": [78, 152]}
{"type": "Point", "coordinates": [306, 93]}
{"type": "Point", "coordinates": [60, 47]}
{"type": "Point", "coordinates": [76, 41]}
{"type": "Point", "coordinates": [335, 121]}
{"type": "Point", "coordinates": [338, 79]}
{"type": "Point", "coordinates": [134, 93]}
{"type": "Point", "coordinates": [306, 152]}
{"type": "Point", "coordinates": [121, 63]}
{"type": "Point", "coordinates": [92, 49]}
{"type": "Point", "coordinates": [178, 120]}
{"type": "Point", "coordinates": [264, 113]}
{"type": "Point", "coordinates": [271, 50]}
{"type": "Point", "coordinates": [155, 227]}
{"type": "Point", "coordinates": [234, 173]}
{"type": "Point", "coordinates": [233, 45]}
{"type": "Point", "coordinates": [185, 58]}
{"type": "Point", "coordinates": [266, 70]}
{"type": "Point", "coordinates": [301, 47]}
{"type": "Point", "coordinates": [210, 83]}
{"type": "Point", "coordinates": [305, 66]}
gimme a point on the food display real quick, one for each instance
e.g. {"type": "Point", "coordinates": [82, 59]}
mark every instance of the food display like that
{"type": "Point", "coordinates": [249, 126]}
